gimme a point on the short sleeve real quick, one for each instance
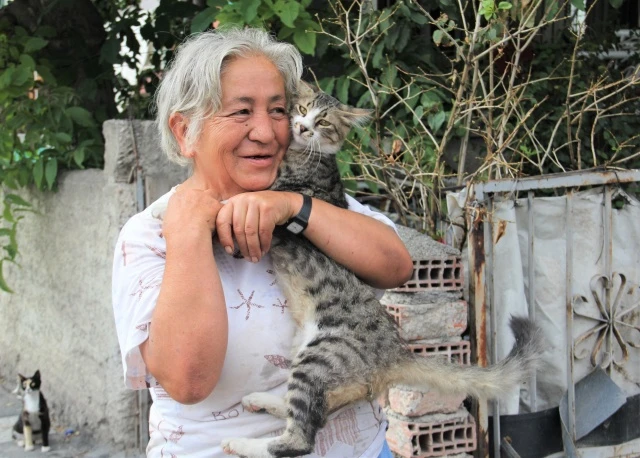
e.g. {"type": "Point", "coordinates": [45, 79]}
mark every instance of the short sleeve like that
{"type": "Point", "coordinates": [365, 210]}
{"type": "Point", "coordinates": [138, 268]}
{"type": "Point", "coordinates": [356, 206]}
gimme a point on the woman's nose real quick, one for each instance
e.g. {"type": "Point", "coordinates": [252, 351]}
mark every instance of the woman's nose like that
{"type": "Point", "coordinates": [261, 128]}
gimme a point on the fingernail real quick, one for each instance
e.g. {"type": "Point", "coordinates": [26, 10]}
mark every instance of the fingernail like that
{"type": "Point", "coordinates": [254, 259]}
{"type": "Point", "coordinates": [228, 249]}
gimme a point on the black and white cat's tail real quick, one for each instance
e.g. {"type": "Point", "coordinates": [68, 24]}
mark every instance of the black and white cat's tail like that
{"type": "Point", "coordinates": [480, 382]}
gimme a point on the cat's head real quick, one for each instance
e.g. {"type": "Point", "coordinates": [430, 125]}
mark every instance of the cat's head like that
{"type": "Point", "coordinates": [320, 122]}
{"type": "Point", "coordinates": [30, 384]}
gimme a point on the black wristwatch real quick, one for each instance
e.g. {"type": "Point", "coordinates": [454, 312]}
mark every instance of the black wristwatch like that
{"type": "Point", "coordinates": [298, 223]}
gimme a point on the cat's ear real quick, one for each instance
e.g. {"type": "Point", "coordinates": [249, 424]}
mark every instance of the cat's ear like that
{"type": "Point", "coordinates": [305, 89]}
{"type": "Point", "coordinates": [22, 377]}
{"type": "Point", "coordinates": [36, 376]}
{"type": "Point", "coordinates": [356, 116]}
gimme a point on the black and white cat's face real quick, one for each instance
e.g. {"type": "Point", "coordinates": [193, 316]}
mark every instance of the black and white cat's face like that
{"type": "Point", "coordinates": [320, 122]}
{"type": "Point", "coordinates": [30, 384]}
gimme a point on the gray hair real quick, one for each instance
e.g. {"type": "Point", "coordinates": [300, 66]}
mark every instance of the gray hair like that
{"type": "Point", "coordinates": [191, 85]}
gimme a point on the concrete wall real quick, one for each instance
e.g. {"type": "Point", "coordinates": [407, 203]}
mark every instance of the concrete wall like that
{"type": "Point", "coordinates": [60, 319]}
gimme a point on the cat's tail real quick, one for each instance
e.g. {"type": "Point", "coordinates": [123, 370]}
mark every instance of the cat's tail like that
{"type": "Point", "coordinates": [479, 382]}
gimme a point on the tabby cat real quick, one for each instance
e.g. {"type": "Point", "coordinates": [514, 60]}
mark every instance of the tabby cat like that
{"type": "Point", "coordinates": [34, 418]}
{"type": "Point", "coordinates": [351, 348]}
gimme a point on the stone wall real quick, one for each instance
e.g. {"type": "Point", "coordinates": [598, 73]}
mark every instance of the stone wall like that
{"type": "Point", "coordinates": [60, 319]}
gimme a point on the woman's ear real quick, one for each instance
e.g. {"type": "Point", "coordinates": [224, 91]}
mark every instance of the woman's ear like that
{"type": "Point", "coordinates": [179, 125]}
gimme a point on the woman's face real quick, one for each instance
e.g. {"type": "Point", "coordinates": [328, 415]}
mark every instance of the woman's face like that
{"type": "Point", "coordinates": [242, 145]}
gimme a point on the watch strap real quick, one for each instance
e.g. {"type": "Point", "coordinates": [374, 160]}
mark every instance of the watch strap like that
{"type": "Point", "coordinates": [298, 223]}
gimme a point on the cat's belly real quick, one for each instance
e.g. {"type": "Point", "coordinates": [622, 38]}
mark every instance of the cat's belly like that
{"type": "Point", "coordinates": [300, 304]}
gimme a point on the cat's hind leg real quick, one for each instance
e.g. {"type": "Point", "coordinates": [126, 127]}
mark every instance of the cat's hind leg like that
{"type": "Point", "coordinates": [306, 407]}
{"type": "Point", "coordinates": [265, 402]}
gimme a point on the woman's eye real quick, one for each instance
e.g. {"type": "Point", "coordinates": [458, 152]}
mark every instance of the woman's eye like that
{"type": "Point", "coordinates": [324, 123]}
{"type": "Point", "coordinates": [243, 112]}
{"type": "Point", "coordinates": [302, 110]}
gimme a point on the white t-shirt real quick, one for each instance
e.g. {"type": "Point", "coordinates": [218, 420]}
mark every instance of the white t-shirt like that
{"type": "Point", "coordinates": [261, 333]}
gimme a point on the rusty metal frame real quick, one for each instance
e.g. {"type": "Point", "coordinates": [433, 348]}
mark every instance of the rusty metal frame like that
{"type": "Point", "coordinates": [480, 246]}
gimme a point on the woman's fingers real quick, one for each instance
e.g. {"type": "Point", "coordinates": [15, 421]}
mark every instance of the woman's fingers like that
{"type": "Point", "coordinates": [249, 219]}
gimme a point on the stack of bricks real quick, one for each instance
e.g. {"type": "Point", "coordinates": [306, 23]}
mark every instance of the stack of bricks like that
{"type": "Point", "coordinates": [431, 315]}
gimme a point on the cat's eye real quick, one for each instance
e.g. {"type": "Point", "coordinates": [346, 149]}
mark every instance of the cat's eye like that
{"type": "Point", "coordinates": [302, 110]}
{"type": "Point", "coordinates": [324, 123]}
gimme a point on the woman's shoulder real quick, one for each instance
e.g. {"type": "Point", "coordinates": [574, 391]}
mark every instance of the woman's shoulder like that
{"type": "Point", "coordinates": [149, 219]}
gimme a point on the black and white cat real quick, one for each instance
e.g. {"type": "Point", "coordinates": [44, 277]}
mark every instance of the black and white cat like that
{"type": "Point", "coordinates": [34, 418]}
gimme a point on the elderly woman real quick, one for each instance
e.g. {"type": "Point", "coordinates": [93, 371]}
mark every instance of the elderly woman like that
{"type": "Point", "coordinates": [201, 328]}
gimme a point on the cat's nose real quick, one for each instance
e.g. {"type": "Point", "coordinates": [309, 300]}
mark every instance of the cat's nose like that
{"type": "Point", "coordinates": [302, 129]}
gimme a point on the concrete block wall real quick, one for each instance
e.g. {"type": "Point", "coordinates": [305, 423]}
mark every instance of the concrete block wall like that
{"type": "Point", "coordinates": [60, 320]}
{"type": "Point", "coordinates": [431, 316]}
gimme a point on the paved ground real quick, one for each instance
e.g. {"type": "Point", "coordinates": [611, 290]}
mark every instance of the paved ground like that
{"type": "Point", "coordinates": [69, 445]}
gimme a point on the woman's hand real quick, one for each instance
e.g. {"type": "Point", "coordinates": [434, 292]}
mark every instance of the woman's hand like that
{"type": "Point", "coordinates": [190, 210]}
{"type": "Point", "coordinates": [251, 218]}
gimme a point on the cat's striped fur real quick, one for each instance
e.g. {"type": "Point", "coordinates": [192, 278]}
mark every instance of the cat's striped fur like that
{"type": "Point", "coordinates": [350, 345]}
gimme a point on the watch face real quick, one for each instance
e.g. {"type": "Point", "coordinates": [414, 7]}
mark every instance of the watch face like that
{"type": "Point", "coordinates": [295, 228]}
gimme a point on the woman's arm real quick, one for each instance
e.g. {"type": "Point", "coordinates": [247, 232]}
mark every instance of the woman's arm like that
{"type": "Point", "coordinates": [367, 247]}
{"type": "Point", "coordinates": [188, 334]}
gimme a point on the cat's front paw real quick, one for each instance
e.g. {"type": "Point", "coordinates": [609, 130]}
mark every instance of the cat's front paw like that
{"type": "Point", "coordinates": [28, 448]}
{"type": "Point", "coordinates": [45, 449]}
{"type": "Point", "coordinates": [158, 209]}
{"type": "Point", "coordinates": [247, 448]}
{"type": "Point", "coordinates": [265, 402]}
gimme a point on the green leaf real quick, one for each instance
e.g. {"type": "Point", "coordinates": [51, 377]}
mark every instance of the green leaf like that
{"type": "Point", "coordinates": [504, 6]}
{"type": "Point", "coordinates": [78, 156]}
{"type": "Point", "coordinates": [204, 19]}
{"type": "Point", "coordinates": [285, 33]}
{"type": "Point", "coordinates": [389, 76]}
{"type": "Point", "coordinates": [376, 61]}
{"type": "Point", "coordinates": [7, 215]}
{"type": "Point", "coordinates": [419, 18]}
{"type": "Point", "coordinates": [110, 51]}
{"type": "Point", "coordinates": [51, 171]}
{"type": "Point", "coordinates": [22, 75]}
{"type": "Point", "coordinates": [27, 61]}
{"type": "Point", "coordinates": [62, 137]}
{"type": "Point", "coordinates": [34, 44]}
{"type": "Point", "coordinates": [38, 173]}
{"type": "Point", "coordinates": [80, 116]}
{"type": "Point", "coordinates": [579, 4]}
{"type": "Point", "coordinates": [419, 111]}
{"type": "Point", "coordinates": [250, 8]}
{"type": "Point", "coordinates": [3, 284]}
{"type": "Point", "coordinates": [16, 200]}
{"type": "Point", "coordinates": [287, 11]}
{"type": "Point", "coordinates": [437, 37]}
{"type": "Point", "coordinates": [305, 41]}
{"type": "Point", "coordinates": [342, 89]}
{"type": "Point", "coordinates": [6, 77]}
{"type": "Point", "coordinates": [436, 120]}
{"type": "Point", "coordinates": [46, 75]}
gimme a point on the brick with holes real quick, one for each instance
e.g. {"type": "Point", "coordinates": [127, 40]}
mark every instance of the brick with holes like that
{"type": "Point", "coordinates": [411, 402]}
{"type": "Point", "coordinates": [431, 435]}
{"type": "Point", "coordinates": [419, 316]}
